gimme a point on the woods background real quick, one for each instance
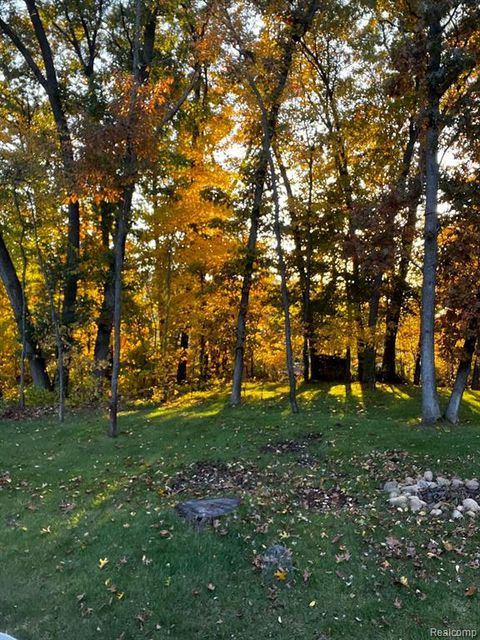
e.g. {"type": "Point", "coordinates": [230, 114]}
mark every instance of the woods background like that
{"type": "Point", "coordinates": [194, 189]}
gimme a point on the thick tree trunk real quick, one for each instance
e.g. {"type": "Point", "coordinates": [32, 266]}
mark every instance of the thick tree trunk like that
{"type": "Point", "coordinates": [23, 319]}
{"type": "Point", "coordinates": [463, 371]}
{"type": "Point", "coordinates": [430, 406]}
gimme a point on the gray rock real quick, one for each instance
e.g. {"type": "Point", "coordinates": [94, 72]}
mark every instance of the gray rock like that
{"type": "Point", "coordinates": [201, 511]}
{"type": "Point", "coordinates": [416, 504]}
{"type": "Point", "coordinates": [472, 514]}
{"type": "Point", "coordinates": [390, 486]}
{"type": "Point", "coordinates": [399, 502]}
{"type": "Point", "coordinates": [436, 512]}
{"type": "Point", "coordinates": [457, 483]}
{"type": "Point", "coordinates": [428, 475]}
{"type": "Point", "coordinates": [277, 558]}
{"type": "Point", "coordinates": [409, 480]}
{"type": "Point", "coordinates": [472, 485]}
{"type": "Point", "coordinates": [457, 515]}
{"type": "Point", "coordinates": [469, 504]}
{"type": "Point", "coordinates": [394, 494]}
{"type": "Point", "coordinates": [5, 636]}
{"type": "Point", "coordinates": [443, 482]}
{"type": "Point", "coordinates": [423, 484]}
{"type": "Point", "coordinates": [411, 489]}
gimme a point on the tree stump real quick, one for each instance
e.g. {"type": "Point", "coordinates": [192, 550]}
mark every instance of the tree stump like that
{"type": "Point", "coordinates": [199, 512]}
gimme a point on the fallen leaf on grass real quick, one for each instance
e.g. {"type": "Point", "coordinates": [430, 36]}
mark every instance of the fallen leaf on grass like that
{"type": "Point", "coordinates": [403, 580]}
{"type": "Point", "coordinates": [102, 563]}
{"type": "Point", "coordinates": [392, 542]}
{"type": "Point", "coordinates": [471, 591]}
{"type": "Point", "coordinates": [210, 586]}
{"type": "Point", "coordinates": [67, 507]}
{"type": "Point", "coordinates": [342, 557]}
{"type": "Point", "coordinates": [280, 574]}
{"type": "Point", "coordinates": [397, 603]}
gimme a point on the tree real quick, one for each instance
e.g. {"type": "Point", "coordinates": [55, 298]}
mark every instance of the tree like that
{"type": "Point", "coordinates": [297, 23]}
{"type": "Point", "coordinates": [48, 80]}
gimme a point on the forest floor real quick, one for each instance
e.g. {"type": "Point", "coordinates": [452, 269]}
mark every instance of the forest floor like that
{"type": "Point", "coordinates": [91, 547]}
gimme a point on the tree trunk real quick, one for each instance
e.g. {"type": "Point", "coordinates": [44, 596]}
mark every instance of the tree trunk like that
{"type": "Point", "coordinates": [102, 354]}
{"type": "Point", "coordinates": [54, 316]}
{"type": "Point", "coordinates": [367, 354]}
{"type": "Point", "coordinates": [123, 219]}
{"type": "Point", "coordinates": [417, 372]}
{"type": "Point", "coordinates": [182, 363]}
{"type": "Point", "coordinates": [430, 406]}
{"type": "Point", "coordinates": [284, 287]}
{"type": "Point", "coordinates": [463, 371]}
{"type": "Point", "coordinates": [394, 309]}
{"type": "Point", "coordinates": [21, 401]}
{"type": "Point", "coordinates": [15, 294]}
{"type": "Point", "coordinates": [248, 268]}
{"type": "Point", "coordinates": [54, 93]}
{"type": "Point", "coordinates": [204, 361]}
{"type": "Point", "coordinates": [303, 262]}
{"type": "Point", "coordinates": [300, 23]}
{"type": "Point", "coordinates": [475, 384]}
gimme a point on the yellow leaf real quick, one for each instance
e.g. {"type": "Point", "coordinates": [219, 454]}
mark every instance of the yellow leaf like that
{"type": "Point", "coordinates": [313, 603]}
{"type": "Point", "coordinates": [102, 562]}
{"type": "Point", "coordinates": [120, 595]}
{"type": "Point", "coordinates": [280, 574]}
{"type": "Point", "coordinates": [404, 581]}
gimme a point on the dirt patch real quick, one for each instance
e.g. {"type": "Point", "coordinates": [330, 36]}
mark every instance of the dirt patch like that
{"type": "Point", "coordinates": [201, 477]}
{"type": "Point", "coordinates": [292, 446]}
{"type": "Point", "coordinates": [323, 500]}
{"type": "Point", "coordinates": [12, 412]}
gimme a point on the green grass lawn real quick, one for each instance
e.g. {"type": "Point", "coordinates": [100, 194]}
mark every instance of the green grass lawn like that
{"type": "Point", "coordinates": [76, 498]}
